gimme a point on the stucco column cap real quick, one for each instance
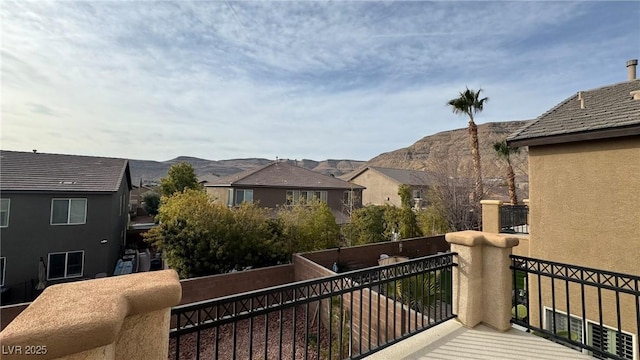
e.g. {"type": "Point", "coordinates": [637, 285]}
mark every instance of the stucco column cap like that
{"type": "Point", "coordinates": [74, 317]}
{"type": "Point", "coordinates": [491, 202]}
{"type": "Point", "coordinates": [473, 238]}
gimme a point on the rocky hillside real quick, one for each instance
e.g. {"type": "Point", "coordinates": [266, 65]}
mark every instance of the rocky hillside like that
{"type": "Point", "coordinates": [445, 152]}
{"type": "Point", "coordinates": [453, 146]}
{"type": "Point", "coordinates": [151, 171]}
{"type": "Point", "coordinates": [449, 152]}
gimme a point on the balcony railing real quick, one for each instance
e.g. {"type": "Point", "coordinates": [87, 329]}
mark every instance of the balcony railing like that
{"type": "Point", "coordinates": [345, 316]}
{"type": "Point", "coordinates": [513, 219]}
{"type": "Point", "coordinates": [590, 310]}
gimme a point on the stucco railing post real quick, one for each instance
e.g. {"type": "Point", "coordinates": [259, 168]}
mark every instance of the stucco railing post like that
{"type": "Point", "coordinates": [491, 215]}
{"type": "Point", "coordinates": [482, 281]}
{"type": "Point", "coordinates": [122, 317]}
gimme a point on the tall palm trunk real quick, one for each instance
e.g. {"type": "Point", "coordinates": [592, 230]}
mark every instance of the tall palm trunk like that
{"type": "Point", "coordinates": [511, 178]}
{"type": "Point", "coordinates": [475, 154]}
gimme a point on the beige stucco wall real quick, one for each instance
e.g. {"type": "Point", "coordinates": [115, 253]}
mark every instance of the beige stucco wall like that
{"type": "Point", "coordinates": [380, 190]}
{"type": "Point", "coordinates": [585, 210]}
{"type": "Point", "coordinates": [122, 317]}
{"type": "Point", "coordinates": [220, 194]}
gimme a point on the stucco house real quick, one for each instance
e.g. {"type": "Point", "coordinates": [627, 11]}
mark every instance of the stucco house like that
{"type": "Point", "coordinates": [584, 178]}
{"type": "Point", "coordinates": [281, 184]}
{"type": "Point", "coordinates": [382, 185]}
{"type": "Point", "coordinates": [70, 211]}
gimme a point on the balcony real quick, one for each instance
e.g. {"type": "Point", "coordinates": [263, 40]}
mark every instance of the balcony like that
{"type": "Point", "coordinates": [477, 301]}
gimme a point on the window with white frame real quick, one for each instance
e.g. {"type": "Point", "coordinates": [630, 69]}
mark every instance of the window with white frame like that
{"type": "Point", "coordinates": [4, 212]}
{"type": "Point", "coordinates": [3, 264]}
{"type": "Point", "coordinates": [230, 198]}
{"type": "Point", "coordinates": [571, 330]}
{"type": "Point", "coordinates": [68, 211]}
{"type": "Point", "coordinates": [611, 341]}
{"type": "Point", "coordinates": [244, 195]}
{"type": "Point", "coordinates": [65, 265]}
{"type": "Point", "coordinates": [601, 337]}
{"type": "Point", "coordinates": [294, 197]}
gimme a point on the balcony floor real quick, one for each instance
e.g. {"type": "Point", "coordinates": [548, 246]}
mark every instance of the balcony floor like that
{"type": "Point", "coordinates": [451, 340]}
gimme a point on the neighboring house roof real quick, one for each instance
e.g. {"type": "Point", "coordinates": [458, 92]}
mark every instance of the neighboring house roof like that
{"type": "Point", "coordinates": [609, 111]}
{"type": "Point", "coordinates": [400, 176]}
{"type": "Point", "coordinates": [282, 175]}
{"type": "Point", "coordinates": [28, 171]}
{"type": "Point", "coordinates": [207, 178]}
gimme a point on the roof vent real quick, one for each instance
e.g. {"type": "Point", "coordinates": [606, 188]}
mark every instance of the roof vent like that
{"type": "Point", "coordinates": [581, 99]}
{"type": "Point", "coordinates": [635, 95]}
{"type": "Point", "coordinates": [631, 68]}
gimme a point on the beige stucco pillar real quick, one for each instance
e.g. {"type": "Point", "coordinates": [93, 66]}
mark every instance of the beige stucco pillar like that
{"type": "Point", "coordinates": [491, 215]}
{"type": "Point", "coordinates": [482, 281]}
{"type": "Point", "coordinates": [123, 317]}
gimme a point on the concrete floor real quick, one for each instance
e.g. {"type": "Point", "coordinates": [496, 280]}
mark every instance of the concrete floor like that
{"type": "Point", "coordinates": [451, 340]}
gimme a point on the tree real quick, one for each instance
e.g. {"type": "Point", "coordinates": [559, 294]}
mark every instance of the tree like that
{"type": "Point", "coordinates": [367, 225]}
{"type": "Point", "coordinates": [199, 237]}
{"type": "Point", "coordinates": [308, 226]}
{"type": "Point", "coordinates": [181, 176]}
{"type": "Point", "coordinates": [151, 202]}
{"type": "Point", "coordinates": [504, 152]}
{"type": "Point", "coordinates": [408, 222]}
{"type": "Point", "coordinates": [432, 222]}
{"type": "Point", "coordinates": [451, 196]}
{"type": "Point", "coordinates": [469, 103]}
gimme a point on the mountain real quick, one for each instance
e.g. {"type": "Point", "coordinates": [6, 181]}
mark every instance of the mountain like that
{"type": "Point", "coordinates": [453, 148]}
{"type": "Point", "coordinates": [153, 171]}
{"type": "Point", "coordinates": [449, 152]}
{"type": "Point", "coordinates": [446, 151]}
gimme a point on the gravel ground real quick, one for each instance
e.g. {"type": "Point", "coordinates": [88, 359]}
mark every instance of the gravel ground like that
{"type": "Point", "coordinates": [225, 340]}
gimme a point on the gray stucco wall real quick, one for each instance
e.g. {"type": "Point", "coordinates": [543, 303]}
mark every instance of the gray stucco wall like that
{"type": "Point", "coordinates": [30, 235]}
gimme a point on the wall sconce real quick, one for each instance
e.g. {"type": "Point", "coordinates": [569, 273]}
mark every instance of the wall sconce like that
{"type": "Point", "coordinates": [103, 241]}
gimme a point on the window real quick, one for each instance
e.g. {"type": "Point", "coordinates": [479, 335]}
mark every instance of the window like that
{"type": "Point", "coordinates": [607, 339]}
{"type": "Point", "coordinates": [230, 198]}
{"type": "Point", "coordinates": [243, 195]}
{"type": "Point", "coordinates": [347, 197]}
{"type": "Point", "coordinates": [573, 331]}
{"type": "Point", "coordinates": [68, 211]}
{"type": "Point", "coordinates": [305, 196]}
{"type": "Point", "coordinates": [65, 265]}
{"type": "Point", "coordinates": [3, 262]}
{"type": "Point", "coordinates": [4, 212]}
{"type": "Point", "coordinates": [597, 336]}
{"type": "Point", "coordinates": [417, 194]}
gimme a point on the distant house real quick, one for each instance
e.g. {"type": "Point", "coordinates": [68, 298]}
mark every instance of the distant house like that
{"type": "Point", "coordinates": [382, 185]}
{"type": "Point", "coordinates": [71, 211]}
{"type": "Point", "coordinates": [584, 179]}
{"type": "Point", "coordinates": [135, 198]}
{"type": "Point", "coordinates": [207, 178]}
{"type": "Point", "coordinates": [282, 184]}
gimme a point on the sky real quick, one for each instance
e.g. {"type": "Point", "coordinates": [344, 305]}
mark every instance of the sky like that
{"type": "Point", "coordinates": [316, 80]}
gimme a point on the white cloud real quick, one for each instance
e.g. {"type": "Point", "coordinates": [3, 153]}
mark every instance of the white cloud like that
{"type": "Point", "coordinates": [291, 79]}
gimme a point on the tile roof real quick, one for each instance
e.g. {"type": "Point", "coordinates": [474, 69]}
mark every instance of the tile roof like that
{"type": "Point", "coordinates": [605, 108]}
{"type": "Point", "coordinates": [401, 176]}
{"type": "Point", "coordinates": [28, 171]}
{"type": "Point", "coordinates": [281, 174]}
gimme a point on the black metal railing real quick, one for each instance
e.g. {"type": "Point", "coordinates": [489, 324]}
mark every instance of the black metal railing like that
{"type": "Point", "coordinates": [345, 316]}
{"type": "Point", "coordinates": [590, 310]}
{"type": "Point", "coordinates": [513, 219]}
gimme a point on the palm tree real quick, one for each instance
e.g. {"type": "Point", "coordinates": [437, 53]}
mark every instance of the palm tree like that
{"type": "Point", "coordinates": [470, 103]}
{"type": "Point", "coordinates": [504, 152]}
